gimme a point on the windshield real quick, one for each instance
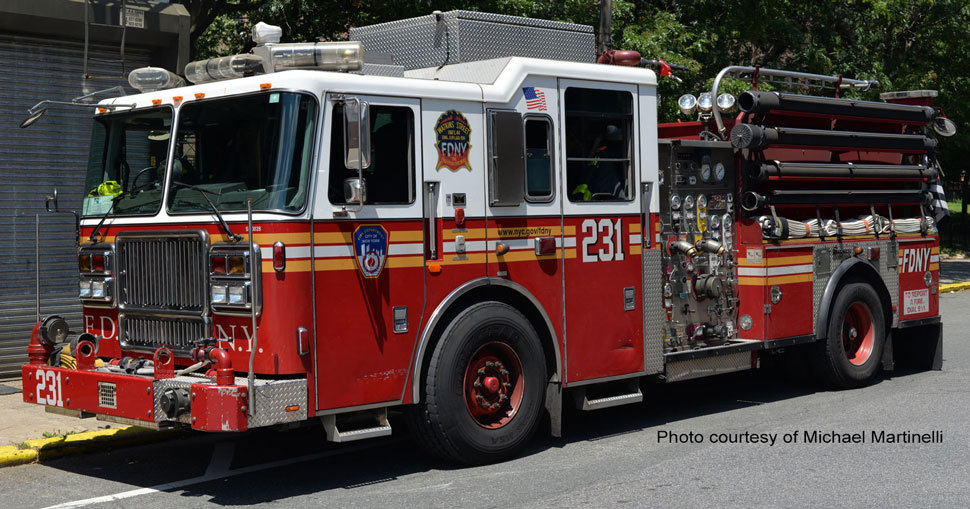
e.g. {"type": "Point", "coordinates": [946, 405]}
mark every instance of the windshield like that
{"type": "Point", "coordinates": [257, 147]}
{"type": "Point", "coordinates": [127, 156]}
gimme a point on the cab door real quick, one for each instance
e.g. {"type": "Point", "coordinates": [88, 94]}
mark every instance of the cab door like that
{"type": "Point", "coordinates": [368, 258]}
{"type": "Point", "coordinates": [601, 209]}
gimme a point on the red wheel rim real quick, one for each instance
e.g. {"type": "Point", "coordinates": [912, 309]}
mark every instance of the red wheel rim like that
{"type": "Point", "coordinates": [858, 333]}
{"type": "Point", "coordinates": [493, 385]}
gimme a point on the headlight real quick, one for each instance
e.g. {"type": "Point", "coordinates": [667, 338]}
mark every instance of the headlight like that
{"type": "Point", "coordinates": [687, 104]}
{"type": "Point", "coordinates": [726, 103]}
{"type": "Point", "coordinates": [237, 295]}
{"type": "Point", "coordinates": [219, 294]}
{"type": "Point", "coordinates": [97, 289]}
{"type": "Point", "coordinates": [705, 103]}
{"type": "Point", "coordinates": [85, 289]}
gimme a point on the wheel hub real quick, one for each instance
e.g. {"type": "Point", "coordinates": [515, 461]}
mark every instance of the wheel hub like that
{"type": "Point", "coordinates": [858, 333]}
{"type": "Point", "coordinates": [493, 385]}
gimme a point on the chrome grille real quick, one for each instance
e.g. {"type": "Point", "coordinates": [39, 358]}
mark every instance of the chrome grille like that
{"type": "Point", "coordinates": [150, 332]}
{"type": "Point", "coordinates": [163, 271]}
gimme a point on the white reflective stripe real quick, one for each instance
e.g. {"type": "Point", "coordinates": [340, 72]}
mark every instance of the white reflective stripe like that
{"type": "Point", "coordinates": [335, 251]}
{"type": "Point", "coordinates": [471, 246]}
{"type": "Point", "coordinates": [570, 241]}
{"type": "Point", "coordinates": [934, 259]}
{"type": "Point", "coordinates": [794, 269]}
{"type": "Point", "coordinates": [406, 249]}
{"type": "Point", "coordinates": [635, 239]}
{"type": "Point", "coordinates": [751, 271]}
{"type": "Point", "coordinates": [292, 253]}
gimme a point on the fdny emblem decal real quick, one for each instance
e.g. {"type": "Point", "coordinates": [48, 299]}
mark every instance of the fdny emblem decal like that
{"type": "Point", "coordinates": [453, 133]}
{"type": "Point", "coordinates": [370, 249]}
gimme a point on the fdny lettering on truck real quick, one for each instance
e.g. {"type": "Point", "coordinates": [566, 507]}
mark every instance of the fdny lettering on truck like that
{"type": "Point", "coordinates": [915, 260]}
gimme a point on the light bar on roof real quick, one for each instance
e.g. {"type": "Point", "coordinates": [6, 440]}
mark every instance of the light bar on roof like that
{"type": "Point", "coordinates": [223, 68]}
{"type": "Point", "coordinates": [149, 79]}
{"type": "Point", "coordinates": [326, 56]}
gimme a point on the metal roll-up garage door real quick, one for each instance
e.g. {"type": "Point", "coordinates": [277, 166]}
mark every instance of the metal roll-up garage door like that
{"type": "Point", "coordinates": [51, 153]}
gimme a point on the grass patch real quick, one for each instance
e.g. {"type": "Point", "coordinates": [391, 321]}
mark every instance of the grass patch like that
{"type": "Point", "coordinates": [23, 446]}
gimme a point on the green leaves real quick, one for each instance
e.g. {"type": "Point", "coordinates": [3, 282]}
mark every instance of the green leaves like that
{"type": "Point", "coordinates": [905, 44]}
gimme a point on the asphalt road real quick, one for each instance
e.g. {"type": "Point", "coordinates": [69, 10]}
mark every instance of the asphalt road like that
{"type": "Point", "coordinates": [612, 457]}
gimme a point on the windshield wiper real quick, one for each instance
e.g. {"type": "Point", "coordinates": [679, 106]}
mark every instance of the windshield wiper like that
{"type": "Point", "coordinates": [111, 207]}
{"type": "Point", "coordinates": [205, 192]}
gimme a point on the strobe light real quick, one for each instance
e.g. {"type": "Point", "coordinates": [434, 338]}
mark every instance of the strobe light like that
{"type": "Point", "coordinates": [687, 104]}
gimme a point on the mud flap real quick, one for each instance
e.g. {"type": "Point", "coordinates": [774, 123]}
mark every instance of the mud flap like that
{"type": "Point", "coordinates": [554, 406]}
{"type": "Point", "coordinates": [918, 347]}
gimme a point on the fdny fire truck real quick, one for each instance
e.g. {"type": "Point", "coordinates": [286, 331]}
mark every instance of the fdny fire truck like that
{"type": "Point", "coordinates": [466, 217]}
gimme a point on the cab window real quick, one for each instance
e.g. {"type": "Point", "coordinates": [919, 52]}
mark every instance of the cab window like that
{"type": "Point", "coordinates": [599, 133]}
{"type": "Point", "coordinates": [389, 180]}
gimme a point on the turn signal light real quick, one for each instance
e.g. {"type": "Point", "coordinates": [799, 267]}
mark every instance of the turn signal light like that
{"type": "Point", "coordinates": [218, 264]}
{"type": "Point", "coordinates": [236, 265]}
{"type": "Point", "coordinates": [84, 263]}
{"type": "Point", "coordinates": [97, 263]}
{"type": "Point", "coordinates": [279, 256]}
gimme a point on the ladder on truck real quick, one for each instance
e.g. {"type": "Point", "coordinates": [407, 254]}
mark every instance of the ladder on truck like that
{"type": "Point", "coordinates": [122, 26]}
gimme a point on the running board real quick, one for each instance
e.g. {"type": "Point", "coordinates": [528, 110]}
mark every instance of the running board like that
{"type": "Point", "coordinates": [621, 399]}
{"type": "Point", "coordinates": [608, 394]}
{"type": "Point", "coordinates": [357, 426]}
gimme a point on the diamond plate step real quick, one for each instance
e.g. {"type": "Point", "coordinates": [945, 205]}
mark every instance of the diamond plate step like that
{"type": "Point", "coordinates": [609, 401]}
{"type": "Point", "coordinates": [334, 434]}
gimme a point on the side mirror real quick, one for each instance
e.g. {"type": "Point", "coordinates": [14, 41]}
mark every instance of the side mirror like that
{"type": "Point", "coordinates": [355, 190]}
{"type": "Point", "coordinates": [356, 134]}
{"type": "Point", "coordinates": [33, 117]}
{"type": "Point", "coordinates": [50, 202]}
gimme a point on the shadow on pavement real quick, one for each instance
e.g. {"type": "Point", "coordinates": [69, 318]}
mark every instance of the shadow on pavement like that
{"type": "Point", "coordinates": [352, 466]}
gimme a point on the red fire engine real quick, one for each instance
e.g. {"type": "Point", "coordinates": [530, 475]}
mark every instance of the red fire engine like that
{"type": "Point", "coordinates": [475, 223]}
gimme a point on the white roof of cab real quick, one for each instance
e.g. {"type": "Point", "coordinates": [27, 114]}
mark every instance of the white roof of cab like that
{"type": "Point", "coordinates": [494, 80]}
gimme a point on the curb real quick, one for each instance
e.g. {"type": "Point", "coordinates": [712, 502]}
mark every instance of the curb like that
{"type": "Point", "coordinates": [955, 287]}
{"type": "Point", "coordinates": [42, 449]}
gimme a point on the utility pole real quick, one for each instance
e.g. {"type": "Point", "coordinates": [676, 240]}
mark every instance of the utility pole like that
{"type": "Point", "coordinates": [605, 40]}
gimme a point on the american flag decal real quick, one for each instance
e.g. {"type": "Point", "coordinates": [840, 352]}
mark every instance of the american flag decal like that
{"type": "Point", "coordinates": [534, 99]}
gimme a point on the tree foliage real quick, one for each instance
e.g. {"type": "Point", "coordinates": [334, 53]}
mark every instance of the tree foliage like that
{"type": "Point", "coordinates": [905, 44]}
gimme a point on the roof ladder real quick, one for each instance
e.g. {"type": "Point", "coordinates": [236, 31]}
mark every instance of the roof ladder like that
{"type": "Point", "coordinates": [122, 25]}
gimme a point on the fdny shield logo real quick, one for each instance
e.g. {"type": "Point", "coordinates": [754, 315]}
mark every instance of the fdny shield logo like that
{"type": "Point", "coordinates": [370, 249]}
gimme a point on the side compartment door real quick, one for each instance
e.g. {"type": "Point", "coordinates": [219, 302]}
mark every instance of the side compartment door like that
{"type": "Point", "coordinates": [601, 203]}
{"type": "Point", "coordinates": [369, 258]}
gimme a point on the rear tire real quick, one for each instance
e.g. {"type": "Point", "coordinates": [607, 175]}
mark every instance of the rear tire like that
{"type": "Point", "coordinates": [483, 391]}
{"type": "Point", "coordinates": [852, 352]}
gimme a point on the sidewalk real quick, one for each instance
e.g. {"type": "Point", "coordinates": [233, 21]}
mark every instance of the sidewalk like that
{"type": "Point", "coordinates": [954, 270]}
{"type": "Point", "coordinates": [21, 421]}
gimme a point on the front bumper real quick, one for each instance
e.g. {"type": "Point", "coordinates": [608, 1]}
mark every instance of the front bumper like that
{"type": "Point", "coordinates": [138, 399]}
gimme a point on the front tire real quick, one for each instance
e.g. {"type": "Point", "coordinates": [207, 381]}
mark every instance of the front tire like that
{"type": "Point", "coordinates": [484, 388]}
{"type": "Point", "coordinates": [852, 351]}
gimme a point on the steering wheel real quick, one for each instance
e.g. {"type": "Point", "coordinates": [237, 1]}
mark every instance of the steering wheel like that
{"type": "Point", "coordinates": [134, 181]}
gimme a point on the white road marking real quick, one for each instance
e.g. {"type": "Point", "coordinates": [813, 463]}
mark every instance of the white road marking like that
{"type": "Point", "coordinates": [215, 471]}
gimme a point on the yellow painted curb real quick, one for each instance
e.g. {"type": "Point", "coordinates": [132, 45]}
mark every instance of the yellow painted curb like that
{"type": "Point", "coordinates": [955, 287]}
{"type": "Point", "coordinates": [12, 455]}
{"type": "Point", "coordinates": [47, 448]}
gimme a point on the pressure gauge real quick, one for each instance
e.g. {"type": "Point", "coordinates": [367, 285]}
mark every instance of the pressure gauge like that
{"type": "Point", "coordinates": [688, 202]}
{"type": "Point", "coordinates": [675, 202]}
{"type": "Point", "coordinates": [706, 168]}
{"type": "Point", "coordinates": [701, 203]}
{"type": "Point", "coordinates": [668, 290]}
{"type": "Point", "coordinates": [719, 171]}
{"type": "Point", "coordinates": [715, 222]}
{"type": "Point", "coordinates": [727, 222]}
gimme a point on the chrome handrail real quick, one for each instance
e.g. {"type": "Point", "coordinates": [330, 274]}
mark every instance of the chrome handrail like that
{"type": "Point", "coordinates": [780, 76]}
